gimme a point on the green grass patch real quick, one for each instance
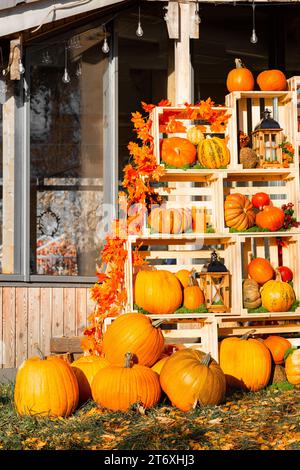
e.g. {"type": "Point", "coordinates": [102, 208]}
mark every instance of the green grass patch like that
{"type": "Point", "coordinates": [201, 309]}
{"type": "Point", "coordinates": [262, 309]}
{"type": "Point", "coordinates": [282, 386]}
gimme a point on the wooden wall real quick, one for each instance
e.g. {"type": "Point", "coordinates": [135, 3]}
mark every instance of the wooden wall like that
{"type": "Point", "coordinates": [30, 315]}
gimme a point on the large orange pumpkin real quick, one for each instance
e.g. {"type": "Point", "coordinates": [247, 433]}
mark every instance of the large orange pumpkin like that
{"type": "Point", "coordinates": [239, 212]}
{"type": "Point", "coordinates": [177, 151]}
{"type": "Point", "coordinates": [277, 296]}
{"type": "Point", "coordinates": [272, 80]}
{"type": "Point", "coordinates": [292, 367]}
{"type": "Point", "coordinates": [85, 368]}
{"type": "Point", "coordinates": [277, 346]}
{"type": "Point", "coordinates": [119, 387]}
{"type": "Point", "coordinates": [163, 220]}
{"type": "Point", "coordinates": [260, 269]}
{"type": "Point", "coordinates": [270, 218]}
{"type": "Point", "coordinates": [246, 363]}
{"type": "Point", "coordinates": [190, 377]}
{"type": "Point", "coordinates": [46, 387]}
{"type": "Point", "coordinates": [134, 332]}
{"type": "Point", "coordinates": [157, 291]}
{"type": "Point", "coordinates": [240, 78]}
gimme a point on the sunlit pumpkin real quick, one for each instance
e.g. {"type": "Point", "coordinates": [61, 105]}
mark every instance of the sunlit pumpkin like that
{"type": "Point", "coordinates": [193, 296]}
{"type": "Point", "coordinates": [239, 212]}
{"type": "Point", "coordinates": [157, 367]}
{"type": "Point", "coordinates": [157, 291]}
{"type": "Point", "coordinates": [85, 368]}
{"type": "Point", "coordinates": [183, 275]}
{"type": "Point", "coordinates": [163, 220]}
{"type": "Point", "coordinates": [277, 346]}
{"type": "Point", "coordinates": [195, 135]}
{"type": "Point", "coordinates": [190, 377]}
{"type": "Point", "coordinates": [240, 78]}
{"type": "Point", "coordinates": [177, 151]}
{"type": "Point", "coordinates": [119, 387]}
{"type": "Point", "coordinates": [134, 332]}
{"type": "Point", "coordinates": [261, 270]}
{"type": "Point", "coordinates": [272, 80]}
{"type": "Point", "coordinates": [246, 363]}
{"type": "Point", "coordinates": [259, 200]}
{"type": "Point", "coordinates": [46, 386]}
{"type": "Point", "coordinates": [213, 153]}
{"type": "Point", "coordinates": [292, 367]}
{"type": "Point", "coordinates": [277, 296]}
{"type": "Point", "coordinates": [270, 218]}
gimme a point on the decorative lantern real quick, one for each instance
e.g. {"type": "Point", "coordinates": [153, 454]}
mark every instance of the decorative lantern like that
{"type": "Point", "coordinates": [266, 139]}
{"type": "Point", "coordinates": [215, 283]}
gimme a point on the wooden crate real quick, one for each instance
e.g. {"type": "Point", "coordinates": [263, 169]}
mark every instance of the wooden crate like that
{"type": "Point", "coordinates": [196, 331]}
{"type": "Point", "coordinates": [259, 245]}
{"type": "Point", "coordinates": [158, 114]}
{"type": "Point", "coordinates": [247, 108]}
{"type": "Point", "coordinates": [173, 253]}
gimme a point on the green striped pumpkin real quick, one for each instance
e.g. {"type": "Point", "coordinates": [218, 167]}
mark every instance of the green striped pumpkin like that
{"type": "Point", "coordinates": [213, 153]}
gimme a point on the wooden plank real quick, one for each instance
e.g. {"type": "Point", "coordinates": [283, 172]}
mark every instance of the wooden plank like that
{"type": "Point", "coordinates": [90, 303]}
{"type": "Point", "coordinates": [59, 345]}
{"type": "Point", "coordinates": [9, 326]}
{"type": "Point", "coordinates": [81, 310]}
{"type": "Point", "coordinates": [34, 319]}
{"type": "Point", "coordinates": [57, 312]}
{"type": "Point", "coordinates": [46, 318]}
{"type": "Point", "coordinates": [69, 311]}
{"type": "Point", "coordinates": [21, 325]}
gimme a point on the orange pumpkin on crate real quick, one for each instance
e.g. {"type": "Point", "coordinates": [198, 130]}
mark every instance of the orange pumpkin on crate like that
{"type": "Point", "coordinates": [178, 152]}
{"type": "Point", "coordinates": [270, 218]}
{"type": "Point", "coordinates": [239, 212]}
{"type": "Point", "coordinates": [272, 80]}
{"type": "Point", "coordinates": [240, 78]}
{"type": "Point", "coordinates": [277, 296]}
{"type": "Point", "coordinates": [193, 296]}
{"type": "Point", "coordinates": [261, 270]}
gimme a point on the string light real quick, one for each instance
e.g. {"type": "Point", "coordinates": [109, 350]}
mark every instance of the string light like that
{"type": "Point", "coordinates": [105, 46]}
{"type": "Point", "coordinates": [197, 14]}
{"type": "Point", "coordinates": [21, 66]}
{"type": "Point", "coordinates": [66, 77]}
{"type": "Point", "coordinates": [254, 38]}
{"type": "Point", "coordinates": [139, 32]}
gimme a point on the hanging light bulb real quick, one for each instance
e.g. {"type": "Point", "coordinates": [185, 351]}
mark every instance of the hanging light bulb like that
{"type": "Point", "coordinates": [79, 69]}
{"type": "Point", "coordinates": [66, 77]}
{"type": "Point", "coordinates": [197, 17]}
{"type": "Point", "coordinates": [21, 67]}
{"type": "Point", "coordinates": [139, 32]}
{"type": "Point", "coordinates": [105, 46]}
{"type": "Point", "coordinates": [254, 38]}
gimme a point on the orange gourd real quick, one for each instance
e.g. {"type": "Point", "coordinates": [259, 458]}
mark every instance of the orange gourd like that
{"type": "Point", "coordinates": [119, 387]}
{"type": "Point", "coordinates": [272, 80]}
{"type": "Point", "coordinates": [270, 218]}
{"type": "Point", "coordinates": [136, 332]}
{"type": "Point", "coordinates": [177, 151]}
{"type": "Point", "coordinates": [240, 78]}
{"type": "Point", "coordinates": [260, 270]}
{"type": "Point", "coordinates": [193, 296]}
{"type": "Point", "coordinates": [85, 368]}
{"type": "Point", "coordinates": [277, 346]}
{"type": "Point", "coordinates": [239, 212]}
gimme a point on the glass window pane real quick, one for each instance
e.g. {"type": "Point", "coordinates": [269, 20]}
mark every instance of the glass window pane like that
{"type": "Point", "coordinates": [66, 146]}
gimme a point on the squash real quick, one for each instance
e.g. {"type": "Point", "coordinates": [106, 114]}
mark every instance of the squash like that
{"type": "Point", "coordinates": [213, 153]}
{"type": "Point", "coordinates": [270, 218]}
{"type": "Point", "coordinates": [292, 367]}
{"type": "Point", "coordinates": [251, 295]}
{"type": "Point", "coordinates": [193, 296]}
{"type": "Point", "coordinates": [277, 346]}
{"type": "Point", "coordinates": [163, 220]}
{"type": "Point", "coordinates": [240, 78]}
{"type": "Point", "coordinates": [136, 332]}
{"type": "Point", "coordinates": [239, 212]}
{"type": "Point", "coordinates": [195, 135]}
{"type": "Point", "coordinates": [178, 152]}
{"type": "Point", "coordinates": [46, 386]}
{"type": "Point", "coordinates": [190, 377]}
{"type": "Point", "coordinates": [119, 387]}
{"type": "Point", "coordinates": [85, 368]}
{"type": "Point", "coordinates": [246, 362]}
{"type": "Point", "coordinates": [157, 291]}
{"type": "Point", "coordinates": [277, 296]}
{"type": "Point", "coordinates": [272, 80]}
{"type": "Point", "coordinates": [261, 270]}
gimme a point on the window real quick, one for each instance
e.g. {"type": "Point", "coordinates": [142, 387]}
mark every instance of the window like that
{"type": "Point", "coordinates": [67, 126]}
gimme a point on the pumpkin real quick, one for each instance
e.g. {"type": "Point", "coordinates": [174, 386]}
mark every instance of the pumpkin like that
{"type": "Point", "coordinates": [85, 369]}
{"type": "Point", "coordinates": [183, 275]}
{"type": "Point", "coordinates": [277, 296]}
{"type": "Point", "coordinates": [213, 153]}
{"type": "Point", "coordinates": [259, 200]}
{"type": "Point", "coordinates": [246, 362]}
{"type": "Point", "coordinates": [136, 332]}
{"type": "Point", "coordinates": [157, 291]}
{"type": "Point", "coordinates": [157, 367]}
{"type": "Point", "coordinates": [292, 367]}
{"type": "Point", "coordinates": [270, 218]}
{"type": "Point", "coordinates": [286, 273]}
{"type": "Point", "coordinates": [46, 386]}
{"type": "Point", "coordinates": [177, 151]}
{"type": "Point", "coordinates": [193, 296]}
{"type": "Point", "coordinates": [240, 78]}
{"type": "Point", "coordinates": [260, 270]}
{"type": "Point", "coordinates": [119, 387]}
{"type": "Point", "coordinates": [251, 295]}
{"type": "Point", "coordinates": [163, 220]}
{"type": "Point", "coordinates": [239, 212]}
{"type": "Point", "coordinates": [272, 80]}
{"type": "Point", "coordinates": [195, 135]}
{"type": "Point", "coordinates": [277, 346]}
{"type": "Point", "coordinates": [190, 377]}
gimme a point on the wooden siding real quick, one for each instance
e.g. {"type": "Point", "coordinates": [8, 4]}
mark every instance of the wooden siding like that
{"type": "Point", "coordinates": [30, 315]}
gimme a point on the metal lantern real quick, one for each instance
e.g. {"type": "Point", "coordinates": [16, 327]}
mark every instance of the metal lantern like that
{"type": "Point", "coordinates": [266, 139]}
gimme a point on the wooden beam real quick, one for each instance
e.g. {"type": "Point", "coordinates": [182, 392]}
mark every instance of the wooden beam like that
{"type": "Point", "coordinates": [172, 20]}
{"type": "Point", "coordinates": [182, 57]}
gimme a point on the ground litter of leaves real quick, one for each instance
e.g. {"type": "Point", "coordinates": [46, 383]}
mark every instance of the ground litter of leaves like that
{"type": "Point", "coordinates": [266, 420]}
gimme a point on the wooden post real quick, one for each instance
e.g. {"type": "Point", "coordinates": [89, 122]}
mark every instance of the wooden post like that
{"type": "Point", "coordinates": [183, 81]}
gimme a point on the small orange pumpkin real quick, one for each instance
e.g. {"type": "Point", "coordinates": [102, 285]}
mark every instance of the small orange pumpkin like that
{"type": "Point", "coordinates": [177, 151]}
{"type": "Point", "coordinates": [278, 347]}
{"type": "Point", "coordinates": [272, 80]}
{"type": "Point", "coordinates": [85, 368]}
{"type": "Point", "coordinates": [277, 296]}
{"type": "Point", "coordinates": [240, 78]}
{"type": "Point", "coordinates": [261, 270]}
{"type": "Point", "coordinates": [270, 218]}
{"type": "Point", "coordinates": [193, 296]}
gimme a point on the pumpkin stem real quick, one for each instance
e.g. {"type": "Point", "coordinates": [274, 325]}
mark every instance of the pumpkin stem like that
{"type": "Point", "coordinates": [192, 278]}
{"type": "Point", "coordinates": [128, 359]}
{"type": "Point", "coordinates": [249, 333]}
{"type": "Point", "coordinates": [40, 352]}
{"type": "Point", "coordinates": [278, 275]}
{"type": "Point", "coordinates": [239, 64]}
{"type": "Point", "coordinates": [206, 360]}
{"type": "Point", "coordinates": [157, 323]}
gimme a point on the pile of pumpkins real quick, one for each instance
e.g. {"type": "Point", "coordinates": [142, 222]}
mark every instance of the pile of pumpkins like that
{"type": "Point", "coordinates": [241, 213]}
{"type": "Point", "coordinates": [211, 152]}
{"type": "Point", "coordinates": [136, 369]}
{"type": "Point", "coordinates": [268, 287]}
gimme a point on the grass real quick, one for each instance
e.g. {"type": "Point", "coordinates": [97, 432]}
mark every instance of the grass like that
{"type": "Point", "coordinates": [262, 309]}
{"type": "Point", "coordinates": [201, 309]}
{"type": "Point", "coordinates": [266, 420]}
